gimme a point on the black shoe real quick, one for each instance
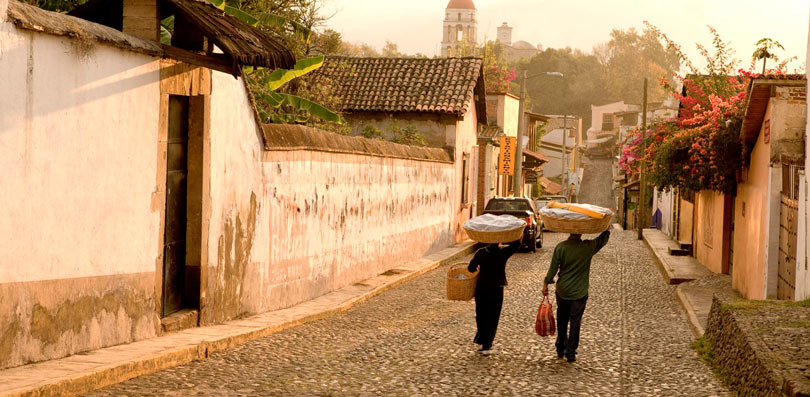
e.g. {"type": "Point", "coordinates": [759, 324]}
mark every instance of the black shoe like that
{"type": "Point", "coordinates": [560, 355]}
{"type": "Point", "coordinates": [571, 359]}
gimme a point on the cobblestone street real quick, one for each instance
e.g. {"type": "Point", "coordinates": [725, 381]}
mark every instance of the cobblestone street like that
{"type": "Point", "coordinates": [411, 341]}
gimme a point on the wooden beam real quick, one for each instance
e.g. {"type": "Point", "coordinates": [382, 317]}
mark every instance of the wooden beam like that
{"type": "Point", "coordinates": [218, 62]}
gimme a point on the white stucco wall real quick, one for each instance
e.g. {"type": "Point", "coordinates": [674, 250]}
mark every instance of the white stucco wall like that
{"type": "Point", "coordinates": [663, 200]}
{"type": "Point", "coordinates": [78, 229]}
{"type": "Point", "coordinates": [289, 226]}
{"type": "Point", "coordinates": [336, 219]}
{"type": "Point", "coordinates": [238, 226]}
{"type": "Point", "coordinates": [802, 272]}
{"type": "Point", "coordinates": [78, 133]}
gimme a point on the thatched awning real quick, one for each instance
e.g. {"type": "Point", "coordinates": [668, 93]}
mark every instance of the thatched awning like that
{"type": "Point", "coordinates": [246, 44]}
{"type": "Point", "coordinates": [242, 44]}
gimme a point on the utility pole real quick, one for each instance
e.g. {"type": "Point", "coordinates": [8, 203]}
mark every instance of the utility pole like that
{"type": "Point", "coordinates": [518, 186]}
{"type": "Point", "coordinates": [564, 174]}
{"type": "Point", "coordinates": [641, 182]}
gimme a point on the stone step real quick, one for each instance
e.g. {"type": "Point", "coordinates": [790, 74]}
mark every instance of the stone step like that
{"type": "Point", "coordinates": [679, 252]}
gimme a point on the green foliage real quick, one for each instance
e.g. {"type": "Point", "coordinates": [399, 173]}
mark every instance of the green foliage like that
{"type": "Point", "coordinates": [372, 132]}
{"type": "Point", "coordinates": [704, 349]}
{"type": "Point", "coordinates": [55, 5]}
{"type": "Point", "coordinates": [283, 107]}
{"type": "Point", "coordinates": [614, 71]}
{"type": "Point", "coordinates": [765, 51]}
{"type": "Point", "coordinates": [409, 135]}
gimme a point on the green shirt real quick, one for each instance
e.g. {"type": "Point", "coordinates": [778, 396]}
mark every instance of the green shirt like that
{"type": "Point", "coordinates": [572, 258]}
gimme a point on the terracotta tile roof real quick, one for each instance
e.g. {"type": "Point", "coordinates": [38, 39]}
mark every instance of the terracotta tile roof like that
{"type": "Point", "coordinates": [440, 85]}
{"type": "Point", "coordinates": [490, 132]}
{"type": "Point", "coordinates": [781, 77]}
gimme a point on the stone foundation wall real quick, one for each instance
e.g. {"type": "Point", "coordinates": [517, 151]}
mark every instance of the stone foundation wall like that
{"type": "Point", "coordinates": [741, 357]}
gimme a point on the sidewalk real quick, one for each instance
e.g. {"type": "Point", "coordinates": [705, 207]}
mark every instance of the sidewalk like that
{"type": "Point", "coordinates": [696, 284]}
{"type": "Point", "coordinates": [92, 370]}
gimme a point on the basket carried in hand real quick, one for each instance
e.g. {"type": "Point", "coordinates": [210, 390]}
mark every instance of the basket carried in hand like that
{"type": "Point", "coordinates": [460, 289]}
{"type": "Point", "coordinates": [503, 236]}
{"type": "Point", "coordinates": [577, 226]}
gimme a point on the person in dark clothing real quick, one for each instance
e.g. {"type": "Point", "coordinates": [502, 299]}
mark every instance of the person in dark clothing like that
{"type": "Point", "coordinates": [491, 260]}
{"type": "Point", "coordinates": [572, 259]}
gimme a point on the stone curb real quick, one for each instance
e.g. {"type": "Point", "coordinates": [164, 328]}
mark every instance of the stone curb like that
{"type": "Point", "coordinates": [691, 315]}
{"type": "Point", "coordinates": [659, 262]}
{"type": "Point", "coordinates": [49, 378]}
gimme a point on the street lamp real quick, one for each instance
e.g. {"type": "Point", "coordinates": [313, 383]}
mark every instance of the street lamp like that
{"type": "Point", "coordinates": [518, 179]}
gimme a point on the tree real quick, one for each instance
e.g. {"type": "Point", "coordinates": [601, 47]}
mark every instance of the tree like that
{"type": "Point", "coordinates": [610, 73]}
{"type": "Point", "coordinates": [765, 50]}
{"type": "Point", "coordinates": [391, 50]}
{"type": "Point", "coordinates": [702, 149]}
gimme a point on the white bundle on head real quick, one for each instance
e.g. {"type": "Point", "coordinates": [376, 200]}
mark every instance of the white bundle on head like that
{"type": "Point", "coordinates": [494, 223]}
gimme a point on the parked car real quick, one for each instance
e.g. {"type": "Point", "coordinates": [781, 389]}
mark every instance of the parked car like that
{"type": "Point", "coordinates": [541, 202]}
{"type": "Point", "coordinates": [524, 209]}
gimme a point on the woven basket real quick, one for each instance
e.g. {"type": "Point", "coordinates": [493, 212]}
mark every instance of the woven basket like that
{"type": "Point", "coordinates": [577, 226]}
{"type": "Point", "coordinates": [505, 236]}
{"type": "Point", "coordinates": [460, 290]}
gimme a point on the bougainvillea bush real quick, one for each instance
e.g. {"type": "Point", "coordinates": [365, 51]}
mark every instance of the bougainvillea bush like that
{"type": "Point", "coordinates": [701, 149]}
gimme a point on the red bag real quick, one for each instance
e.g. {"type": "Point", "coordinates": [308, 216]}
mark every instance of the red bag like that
{"type": "Point", "coordinates": [545, 325]}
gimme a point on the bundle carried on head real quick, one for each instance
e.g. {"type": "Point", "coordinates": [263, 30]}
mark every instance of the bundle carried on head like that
{"type": "Point", "coordinates": [575, 218]}
{"type": "Point", "coordinates": [491, 229]}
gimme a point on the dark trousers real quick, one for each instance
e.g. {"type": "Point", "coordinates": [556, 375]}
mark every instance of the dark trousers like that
{"type": "Point", "coordinates": [488, 304]}
{"type": "Point", "coordinates": [569, 312]}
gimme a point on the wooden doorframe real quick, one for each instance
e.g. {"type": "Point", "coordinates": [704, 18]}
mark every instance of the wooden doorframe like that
{"type": "Point", "coordinates": [177, 78]}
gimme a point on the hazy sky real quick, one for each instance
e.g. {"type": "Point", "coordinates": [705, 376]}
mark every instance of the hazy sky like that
{"type": "Point", "coordinates": [416, 25]}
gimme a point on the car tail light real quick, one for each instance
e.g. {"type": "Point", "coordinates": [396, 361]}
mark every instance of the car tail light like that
{"type": "Point", "coordinates": [528, 221]}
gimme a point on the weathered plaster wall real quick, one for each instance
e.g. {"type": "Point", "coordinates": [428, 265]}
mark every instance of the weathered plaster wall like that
{"type": "Point", "coordinates": [289, 225]}
{"type": "Point", "coordinates": [802, 271]}
{"type": "Point", "coordinates": [708, 243]}
{"type": "Point", "coordinates": [508, 114]}
{"type": "Point", "coordinates": [663, 201]}
{"type": "Point", "coordinates": [237, 253]}
{"type": "Point", "coordinates": [336, 219]}
{"type": "Point", "coordinates": [78, 127]}
{"type": "Point", "coordinates": [751, 224]}
{"type": "Point", "coordinates": [432, 126]}
{"type": "Point", "coordinates": [466, 137]}
{"type": "Point", "coordinates": [685, 221]}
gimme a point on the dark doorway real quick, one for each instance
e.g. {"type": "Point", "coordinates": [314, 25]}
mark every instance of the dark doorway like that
{"type": "Point", "coordinates": [174, 234]}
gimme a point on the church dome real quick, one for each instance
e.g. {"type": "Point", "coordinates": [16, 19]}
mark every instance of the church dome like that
{"type": "Point", "coordinates": [461, 4]}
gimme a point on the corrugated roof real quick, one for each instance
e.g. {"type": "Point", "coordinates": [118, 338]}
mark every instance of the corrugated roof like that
{"type": "Point", "coordinates": [490, 132]}
{"type": "Point", "coordinates": [422, 85]}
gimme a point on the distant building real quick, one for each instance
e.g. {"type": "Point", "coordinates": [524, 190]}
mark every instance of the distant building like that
{"type": "Point", "coordinates": [460, 26]}
{"type": "Point", "coordinates": [517, 50]}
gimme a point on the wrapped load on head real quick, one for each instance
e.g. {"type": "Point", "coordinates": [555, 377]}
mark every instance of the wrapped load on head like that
{"type": "Point", "coordinates": [492, 229]}
{"type": "Point", "coordinates": [575, 218]}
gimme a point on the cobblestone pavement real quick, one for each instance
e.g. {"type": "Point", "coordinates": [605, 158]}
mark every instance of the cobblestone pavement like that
{"type": "Point", "coordinates": [411, 341]}
{"type": "Point", "coordinates": [597, 183]}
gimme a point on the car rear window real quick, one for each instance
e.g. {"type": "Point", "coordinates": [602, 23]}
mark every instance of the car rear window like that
{"type": "Point", "coordinates": [508, 205]}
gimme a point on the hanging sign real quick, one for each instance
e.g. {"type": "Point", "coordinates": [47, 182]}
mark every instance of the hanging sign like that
{"type": "Point", "coordinates": [506, 165]}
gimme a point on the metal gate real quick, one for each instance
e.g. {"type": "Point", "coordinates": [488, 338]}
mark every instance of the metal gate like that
{"type": "Point", "coordinates": [788, 216]}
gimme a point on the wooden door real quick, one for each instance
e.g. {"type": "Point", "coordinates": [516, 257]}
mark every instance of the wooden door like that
{"type": "Point", "coordinates": [174, 235]}
{"type": "Point", "coordinates": [788, 225]}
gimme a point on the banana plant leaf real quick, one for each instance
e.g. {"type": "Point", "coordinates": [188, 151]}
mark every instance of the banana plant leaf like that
{"type": "Point", "coordinates": [280, 76]}
{"type": "Point", "coordinates": [266, 18]}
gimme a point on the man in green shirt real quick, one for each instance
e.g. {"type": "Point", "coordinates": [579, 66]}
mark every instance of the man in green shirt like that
{"type": "Point", "coordinates": [572, 258]}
